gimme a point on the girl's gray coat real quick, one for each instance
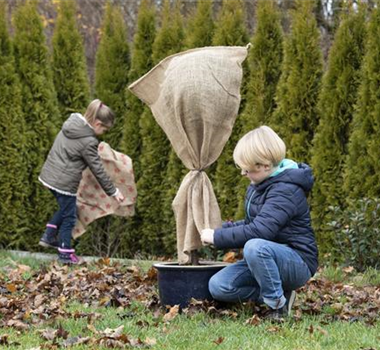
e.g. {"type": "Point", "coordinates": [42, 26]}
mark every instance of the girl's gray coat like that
{"type": "Point", "coordinates": [74, 149]}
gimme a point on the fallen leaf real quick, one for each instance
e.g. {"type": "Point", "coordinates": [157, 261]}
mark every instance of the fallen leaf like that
{"type": "Point", "coordinates": [173, 312]}
{"type": "Point", "coordinates": [274, 329]}
{"type": "Point", "coordinates": [48, 334]}
{"type": "Point", "coordinates": [113, 333]}
{"type": "Point", "coordinates": [11, 287]}
{"type": "Point", "coordinates": [17, 325]}
{"type": "Point", "coordinates": [254, 320]}
{"type": "Point", "coordinates": [230, 257]}
{"type": "Point", "coordinates": [75, 341]}
{"type": "Point", "coordinates": [4, 339]}
{"type": "Point", "coordinates": [150, 341]}
{"type": "Point", "coordinates": [348, 269]}
{"type": "Point", "coordinates": [219, 341]}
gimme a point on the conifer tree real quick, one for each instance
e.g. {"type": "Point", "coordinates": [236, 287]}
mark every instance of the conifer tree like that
{"type": "Point", "coordinates": [296, 116]}
{"type": "Point", "coordinates": [264, 60]}
{"type": "Point", "coordinates": [201, 26]}
{"type": "Point", "coordinates": [131, 143]}
{"type": "Point", "coordinates": [112, 67]}
{"type": "Point", "coordinates": [336, 104]}
{"type": "Point", "coordinates": [69, 64]}
{"type": "Point", "coordinates": [141, 63]}
{"type": "Point", "coordinates": [362, 168]}
{"type": "Point", "coordinates": [106, 235]}
{"type": "Point", "coordinates": [40, 108]}
{"type": "Point", "coordinates": [230, 30]}
{"type": "Point", "coordinates": [13, 174]}
{"type": "Point", "coordinates": [155, 144]}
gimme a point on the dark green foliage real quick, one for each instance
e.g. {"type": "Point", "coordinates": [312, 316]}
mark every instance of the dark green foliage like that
{"type": "Point", "coordinates": [170, 38]}
{"type": "Point", "coordinates": [152, 188]}
{"type": "Point", "coordinates": [264, 60]}
{"type": "Point", "coordinates": [363, 161]}
{"type": "Point", "coordinates": [104, 237]}
{"type": "Point", "coordinates": [200, 29]}
{"type": "Point", "coordinates": [141, 63]}
{"type": "Point", "coordinates": [230, 31]}
{"type": "Point", "coordinates": [355, 232]}
{"type": "Point", "coordinates": [230, 28]}
{"type": "Point", "coordinates": [40, 109]}
{"type": "Point", "coordinates": [296, 117]}
{"type": "Point", "coordinates": [112, 67]}
{"type": "Point", "coordinates": [13, 172]}
{"type": "Point", "coordinates": [337, 99]}
{"type": "Point", "coordinates": [69, 65]}
{"type": "Point", "coordinates": [131, 143]}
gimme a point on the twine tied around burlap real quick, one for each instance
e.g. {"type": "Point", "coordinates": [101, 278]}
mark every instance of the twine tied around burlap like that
{"type": "Point", "coordinates": [194, 97]}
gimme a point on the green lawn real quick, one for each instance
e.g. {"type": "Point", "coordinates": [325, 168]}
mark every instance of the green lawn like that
{"type": "Point", "coordinates": [199, 328]}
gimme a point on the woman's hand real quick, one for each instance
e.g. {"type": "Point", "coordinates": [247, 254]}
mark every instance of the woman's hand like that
{"type": "Point", "coordinates": [207, 236]}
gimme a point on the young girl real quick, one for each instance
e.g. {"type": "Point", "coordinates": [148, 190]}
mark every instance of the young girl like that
{"type": "Point", "coordinates": [280, 252]}
{"type": "Point", "coordinates": [74, 149]}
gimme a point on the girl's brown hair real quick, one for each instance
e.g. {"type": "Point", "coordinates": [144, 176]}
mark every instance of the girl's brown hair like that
{"type": "Point", "coordinates": [97, 110]}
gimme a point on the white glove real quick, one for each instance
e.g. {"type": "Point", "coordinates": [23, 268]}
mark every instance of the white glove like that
{"type": "Point", "coordinates": [207, 236]}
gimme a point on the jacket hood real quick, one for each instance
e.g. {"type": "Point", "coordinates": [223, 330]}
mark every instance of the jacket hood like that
{"type": "Point", "coordinates": [77, 127]}
{"type": "Point", "coordinates": [302, 176]}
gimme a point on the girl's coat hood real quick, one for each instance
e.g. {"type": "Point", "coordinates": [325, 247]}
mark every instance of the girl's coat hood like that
{"type": "Point", "coordinates": [77, 127]}
{"type": "Point", "coordinates": [300, 175]}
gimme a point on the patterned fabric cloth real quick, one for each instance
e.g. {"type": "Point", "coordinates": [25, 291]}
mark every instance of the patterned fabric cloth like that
{"type": "Point", "coordinates": [93, 202]}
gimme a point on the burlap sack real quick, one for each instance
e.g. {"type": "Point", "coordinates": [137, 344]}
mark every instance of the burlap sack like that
{"type": "Point", "coordinates": [93, 202]}
{"type": "Point", "coordinates": [194, 97]}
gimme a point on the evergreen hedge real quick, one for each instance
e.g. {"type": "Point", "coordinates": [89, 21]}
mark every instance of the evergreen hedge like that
{"type": "Point", "coordinates": [69, 63]}
{"type": "Point", "coordinates": [230, 30]}
{"type": "Point", "coordinates": [200, 29]}
{"type": "Point", "coordinates": [111, 70]}
{"type": "Point", "coordinates": [155, 145]}
{"type": "Point", "coordinates": [40, 108]}
{"type": "Point", "coordinates": [296, 116]}
{"type": "Point", "coordinates": [141, 63]}
{"type": "Point", "coordinates": [13, 139]}
{"type": "Point", "coordinates": [28, 101]}
{"type": "Point", "coordinates": [105, 236]}
{"type": "Point", "coordinates": [362, 173]}
{"type": "Point", "coordinates": [264, 60]}
{"type": "Point", "coordinates": [336, 105]}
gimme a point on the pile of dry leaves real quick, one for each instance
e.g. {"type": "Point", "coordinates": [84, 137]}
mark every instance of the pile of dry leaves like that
{"type": "Point", "coordinates": [42, 299]}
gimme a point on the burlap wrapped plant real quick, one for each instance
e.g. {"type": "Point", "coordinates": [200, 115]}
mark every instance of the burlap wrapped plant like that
{"type": "Point", "coordinates": [194, 97]}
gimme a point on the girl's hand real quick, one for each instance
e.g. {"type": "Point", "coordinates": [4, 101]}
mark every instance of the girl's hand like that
{"type": "Point", "coordinates": [207, 236]}
{"type": "Point", "coordinates": [119, 197]}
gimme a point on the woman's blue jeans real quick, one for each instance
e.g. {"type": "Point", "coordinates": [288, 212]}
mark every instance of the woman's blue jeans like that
{"type": "Point", "coordinates": [65, 218]}
{"type": "Point", "coordinates": [267, 270]}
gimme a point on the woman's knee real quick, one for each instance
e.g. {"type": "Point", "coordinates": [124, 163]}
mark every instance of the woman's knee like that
{"type": "Point", "coordinates": [214, 287]}
{"type": "Point", "coordinates": [254, 246]}
{"type": "Point", "coordinates": [218, 288]}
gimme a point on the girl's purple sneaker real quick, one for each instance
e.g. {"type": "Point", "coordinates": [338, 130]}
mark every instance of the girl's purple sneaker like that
{"type": "Point", "coordinates": [68, 257]}
{"type": "Point", "coordinates": [49, 240]}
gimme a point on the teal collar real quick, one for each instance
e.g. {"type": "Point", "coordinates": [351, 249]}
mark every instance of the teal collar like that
{"type": "Point", "coordinates": [284, 165]}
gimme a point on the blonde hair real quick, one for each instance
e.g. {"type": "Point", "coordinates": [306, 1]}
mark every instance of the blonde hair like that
{"type": "Point", "coordinates": [259, 146]}
{"type": "Point", "coordinates": [97, 110]}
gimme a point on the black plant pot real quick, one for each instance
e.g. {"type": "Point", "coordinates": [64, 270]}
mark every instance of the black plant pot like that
{"type": "Point", "coordinates": [177, 284]}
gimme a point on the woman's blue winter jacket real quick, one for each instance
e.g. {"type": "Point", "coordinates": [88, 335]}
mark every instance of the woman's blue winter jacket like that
{"type": "Point", "coordinates": [276, 210]}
